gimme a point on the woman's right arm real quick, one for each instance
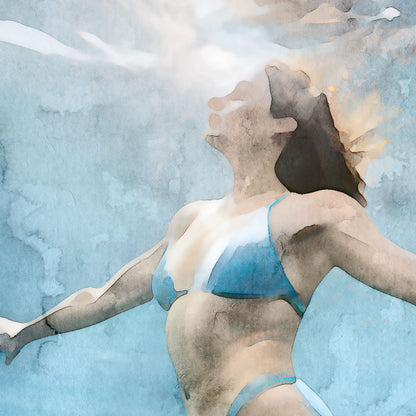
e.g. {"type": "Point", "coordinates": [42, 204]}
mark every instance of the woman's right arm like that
{"type": "Point", "coordinates": [130, 287]}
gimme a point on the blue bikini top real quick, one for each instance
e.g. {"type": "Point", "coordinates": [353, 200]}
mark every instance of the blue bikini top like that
{"type": "Point", "coordinates": [245, 265]}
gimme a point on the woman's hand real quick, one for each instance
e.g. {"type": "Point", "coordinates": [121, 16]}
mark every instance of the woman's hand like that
{"type": "Point", "coordinates": [8, 342]}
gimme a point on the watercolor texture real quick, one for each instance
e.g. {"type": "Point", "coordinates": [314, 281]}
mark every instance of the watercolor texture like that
{"type": "Point", "coordinates": [103, 108]}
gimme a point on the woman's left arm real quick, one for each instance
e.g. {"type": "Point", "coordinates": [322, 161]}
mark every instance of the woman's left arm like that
{"type": "Point", "coordinates": [353, 243]}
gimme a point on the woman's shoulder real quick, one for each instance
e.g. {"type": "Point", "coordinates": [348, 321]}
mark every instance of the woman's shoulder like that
{"type": "Point", "coordinates": [187, 214]}
{"type": "Point", "coordinates": [313, 217]}
{"type": "Point", "coordinates": [317, 210]}
{"type": "Point", "coordinates": [330, 198]}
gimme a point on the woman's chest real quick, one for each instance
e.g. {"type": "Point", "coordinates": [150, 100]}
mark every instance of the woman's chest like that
{"type": "Point", "coordinates": [191, 260]}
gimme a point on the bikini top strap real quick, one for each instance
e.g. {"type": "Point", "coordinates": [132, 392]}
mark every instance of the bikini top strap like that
{"type": "Point", "coordinates": [294, 297]}
{"type": "Point", "coordinates": [271, 206]}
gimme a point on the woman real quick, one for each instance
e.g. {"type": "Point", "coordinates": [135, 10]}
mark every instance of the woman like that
{"type": "Point", "coordinates": [237, 274]}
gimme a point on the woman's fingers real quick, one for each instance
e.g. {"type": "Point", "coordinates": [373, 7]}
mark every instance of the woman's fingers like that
{"type": "Point", "coordinates": [9, 346]}
{"type": "Point", "coordinates": [10, 357]}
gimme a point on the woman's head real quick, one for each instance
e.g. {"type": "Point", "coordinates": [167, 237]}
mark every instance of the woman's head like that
{"type": "Point", "coordinates": [278, 114]}
{"type": "Point", "coordinates": [242, 119]}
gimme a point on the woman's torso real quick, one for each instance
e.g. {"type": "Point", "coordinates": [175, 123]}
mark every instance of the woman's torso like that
{"type": "Point", "coordinates": [218, 344]}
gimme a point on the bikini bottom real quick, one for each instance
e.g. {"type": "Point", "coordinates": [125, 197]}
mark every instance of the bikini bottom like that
{"type": "Point", "coordinates": [267, 381]}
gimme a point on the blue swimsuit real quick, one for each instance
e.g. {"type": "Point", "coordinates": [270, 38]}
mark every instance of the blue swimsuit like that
{"type": "Point", "coordinates": [245, 265]}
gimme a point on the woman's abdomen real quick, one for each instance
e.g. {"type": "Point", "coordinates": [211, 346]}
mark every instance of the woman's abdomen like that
{"type": "Point", "coordinates": [219, 344]}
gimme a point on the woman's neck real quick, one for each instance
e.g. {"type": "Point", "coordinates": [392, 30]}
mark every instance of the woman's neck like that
{"type": "Point", "coordinates": [256, 178]}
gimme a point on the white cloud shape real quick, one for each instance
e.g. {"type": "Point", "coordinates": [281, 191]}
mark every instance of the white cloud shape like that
{"type": "Point", "coordinates": [125, 57]}
{"type": "Point", "coordinates": [27, 37]}
{"type": "Point", "coordinates": [36, 40]}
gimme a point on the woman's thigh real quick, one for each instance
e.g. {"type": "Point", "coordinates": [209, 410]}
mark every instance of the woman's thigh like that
{"type": "Point", "coordinates": [284, 400]}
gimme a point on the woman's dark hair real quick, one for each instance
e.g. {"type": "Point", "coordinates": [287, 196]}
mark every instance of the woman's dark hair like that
{"type": "Point", "coordinates": [314, 158]}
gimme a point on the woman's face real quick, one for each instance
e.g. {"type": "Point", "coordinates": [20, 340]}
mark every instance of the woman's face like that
{"type": "Point", "coordinates": [243, 118]}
